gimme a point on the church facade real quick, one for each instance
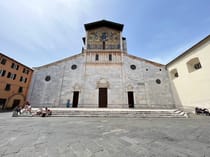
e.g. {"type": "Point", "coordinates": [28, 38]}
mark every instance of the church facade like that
{"type": "Point", "coordinates": [103, 75]}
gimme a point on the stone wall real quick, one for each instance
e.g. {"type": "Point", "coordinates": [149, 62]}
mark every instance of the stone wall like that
{"type": "Point", "coordinates": [60, 87]}
{"type": "Point", "coordinates": [132, 74]}
{"type": "Point", "coordinates": [147, 93]}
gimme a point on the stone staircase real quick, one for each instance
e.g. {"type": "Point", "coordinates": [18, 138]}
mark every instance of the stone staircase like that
{"type": "Point", "coordinates": [107, 112]}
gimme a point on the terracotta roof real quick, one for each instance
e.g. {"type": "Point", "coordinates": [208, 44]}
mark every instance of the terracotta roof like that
{"type": "Point", "coordinates": [190, 49]}
{"type": "Point", "coordinates": [1, 54]}
{"type": "Point", "coordinates": [103, 23]}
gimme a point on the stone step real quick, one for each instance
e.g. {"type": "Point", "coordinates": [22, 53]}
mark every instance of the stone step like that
{"type": "Point", "coordinates": [98, 112]}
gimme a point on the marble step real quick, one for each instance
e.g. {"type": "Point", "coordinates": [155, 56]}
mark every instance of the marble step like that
{"type": "Point", "coordinates": [98, 112]}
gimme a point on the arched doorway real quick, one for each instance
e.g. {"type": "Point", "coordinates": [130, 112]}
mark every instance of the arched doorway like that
{"type": "Point", "coordinates": [102, 98]}
{"type": "Point", "coordinates": [102, 86]}
{"type": "Point", "coordinates": [15, 100]}
{"type": "Point", "coordinates": [76, 91]}
{"type": "Point", "coordinates": [130, 96]}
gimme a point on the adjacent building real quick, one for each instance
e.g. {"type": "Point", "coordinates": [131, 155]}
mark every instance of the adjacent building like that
{"type": "Point", "coordinates": [14, 82]}
{"type": "Point", "coordinates": [104, 75]}
{"type": "Point", "coordinates": [190, 76]}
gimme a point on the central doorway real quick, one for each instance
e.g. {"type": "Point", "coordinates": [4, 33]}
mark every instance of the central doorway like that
{"type": "Point", "coordinates": [130, 100]}
{"type": "Point", "coordinates": [75, 99]}
{"type": "Point", "coordinates": [102, 101]}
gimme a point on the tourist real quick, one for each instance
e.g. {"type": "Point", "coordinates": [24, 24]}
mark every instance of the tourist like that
{"type": "Point", "coordinates": [68, 104]}
{"type": "Point", "coordinates": [28, 107]}
{"type": "Point", "coordinates": [48, 111]}
{"type": "Point", "coordinates": [39, 111]}
{"type": "Point", "coordinates": [44, 112]}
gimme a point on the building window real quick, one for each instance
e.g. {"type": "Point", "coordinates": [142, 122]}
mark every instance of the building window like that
{"type": "Point", "coordinates": [2, 72]}
{"type": "Point", "coordinates": [158, 81]}
{"type": "Point", "coordinates": [74, 66]}
{"type": "Point", "coordinates": [193, 65]}
{"type": "Point", "coordinates": [104, 45]}
{"type": "Point", "coordinates": [20, 90]}
{"type": "Point", "coordinates": [3, 61]}
{"type": "Point", "coordinates": [23, 79]}
{"type": "Point", "coordinates": [12, 76]}
{"type": "Point", "coordinates": [47, 78]}
{"type": "Point", "coordinates": [174, 73]}
{"type": "Point", "coordinates": [133, 67]}
{"type": "Point", "coordinates": [7, 87]}
{"type": "Point", "coordinates": [15, 66]}
{"type": "Point", "coordinates": [110, 57]}
{"type": "Point", "coordinates": [25, 71]}
{"type": "Point", "coordinates": [197, 66]}
{"type": "Point", "coordinates": [9, 75]}
{"type": "Point", "coordinates": [97, 57]}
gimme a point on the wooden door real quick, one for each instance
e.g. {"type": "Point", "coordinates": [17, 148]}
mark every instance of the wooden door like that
{"type": "Point", "coordinates": [102, 97]}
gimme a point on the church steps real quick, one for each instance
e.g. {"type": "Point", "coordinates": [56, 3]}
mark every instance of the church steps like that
{"type": "Point", "coordinates": [104, 112]}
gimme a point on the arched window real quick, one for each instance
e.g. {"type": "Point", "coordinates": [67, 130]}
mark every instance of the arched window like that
{"type": "Point", "coordinates": [110, 57]}
{"type": "Point", "coordinates": [97, 57]}
{"type": "Point", "coordinates": [194, 64]}
{"type": "Point", "coordinates": [174, 73]}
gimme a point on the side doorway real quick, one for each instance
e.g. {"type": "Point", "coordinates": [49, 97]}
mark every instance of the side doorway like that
{"type": "Point", "coordinates": [102, 98]}
{"type": "Point", "coordinates": [130, 100]}
{"type": "Point", "coordinates": [75, 99]}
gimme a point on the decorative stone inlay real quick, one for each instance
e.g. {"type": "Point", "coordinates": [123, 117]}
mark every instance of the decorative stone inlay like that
{"type": "Point", "coordinates": [102, 83]}
{"type": "Point", "coordinates": [77, 87]}
{"type": "Point", "coordinates": [129, 87]}
{"type": "Point", "coordinates": [140, 83]}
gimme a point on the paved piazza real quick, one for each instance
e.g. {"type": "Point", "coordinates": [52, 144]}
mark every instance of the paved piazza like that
{"type": "Point", "coordinates": [103, 137]}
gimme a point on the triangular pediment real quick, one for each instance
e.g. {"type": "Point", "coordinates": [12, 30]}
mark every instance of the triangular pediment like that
{"type": "Point", "coordinates": [104, 23]}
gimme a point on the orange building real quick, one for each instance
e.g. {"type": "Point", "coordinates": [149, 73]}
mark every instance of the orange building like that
{"type": "Point", "coordinates": [14, 82]}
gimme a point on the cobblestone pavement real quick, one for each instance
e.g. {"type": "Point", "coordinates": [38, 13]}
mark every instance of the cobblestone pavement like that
{"type": "Point", "coordinates": [103, 137]}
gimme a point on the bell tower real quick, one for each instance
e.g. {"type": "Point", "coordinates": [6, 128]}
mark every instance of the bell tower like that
{"type": "Point", "coordinates": [104, 35]}
{"type": "Point", "coordinates": [104, 42]}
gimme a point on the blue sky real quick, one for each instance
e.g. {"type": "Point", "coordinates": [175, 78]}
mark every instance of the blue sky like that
{"type": "Point", "coordinates": [38, 32]}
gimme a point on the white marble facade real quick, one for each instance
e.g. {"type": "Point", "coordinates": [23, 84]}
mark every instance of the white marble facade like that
{"type": "Point", "coordinates": [129, 81]}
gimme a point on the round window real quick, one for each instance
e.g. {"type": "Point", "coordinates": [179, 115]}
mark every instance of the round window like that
{"type": "Point", "coordinates": [133, 67]}
{"type": "Point", "coordinates": [74, 66]}
{"type": "Point", "coordinates": [47, 78]}
{"type": "Point", "coordinates": [158, 81]}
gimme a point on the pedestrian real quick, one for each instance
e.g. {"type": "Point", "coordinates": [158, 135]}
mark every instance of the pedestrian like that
{"type": "Point", "coordinates": [68, 104]}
